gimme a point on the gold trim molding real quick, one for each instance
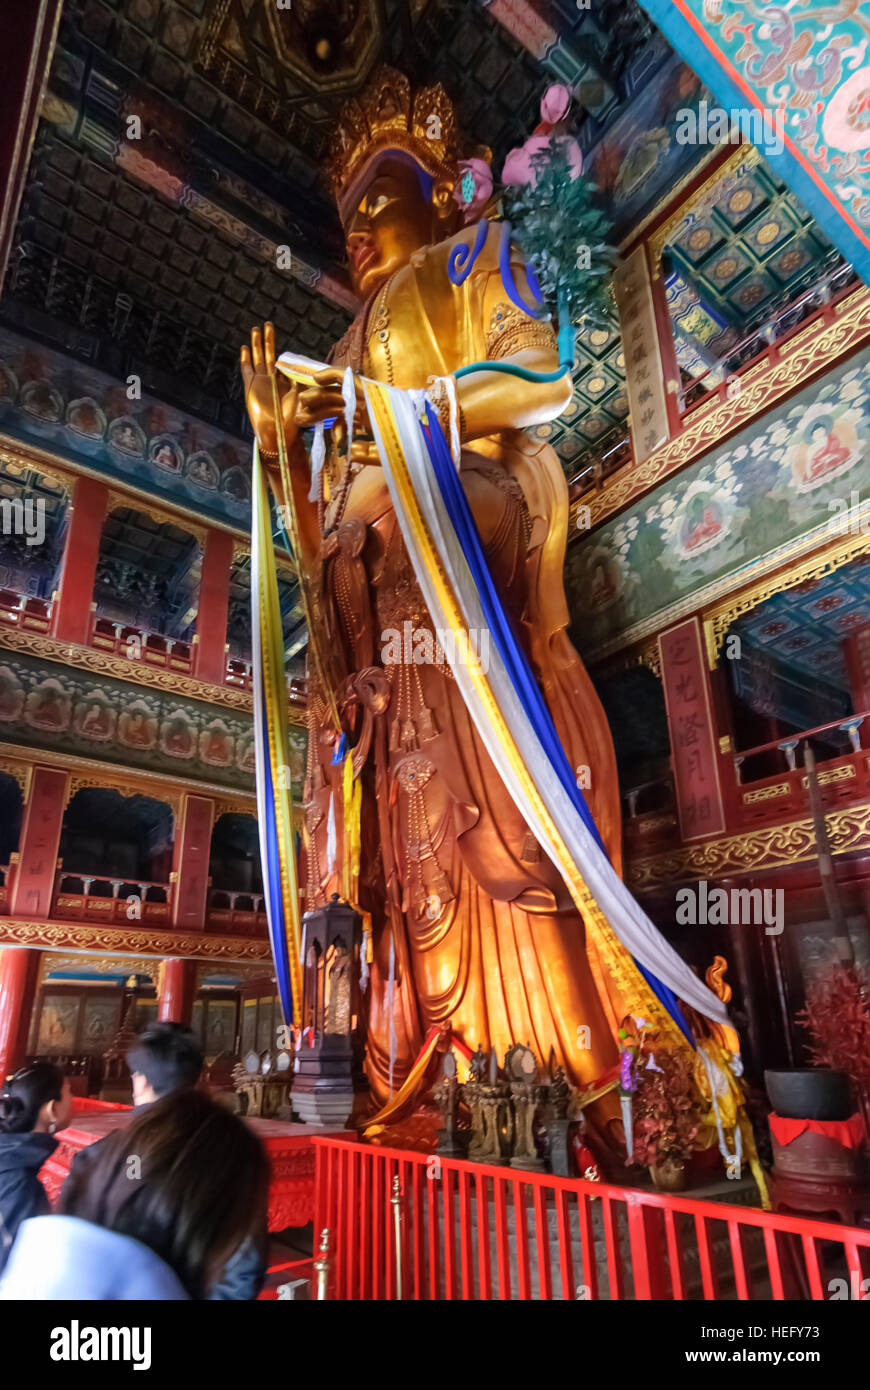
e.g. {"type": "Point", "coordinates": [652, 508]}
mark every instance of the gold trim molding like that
{"type": "Point", "coordinates": [766, 793]}
{"type": "Point", "coordinates": [104, 965]}
{"type": "Point", "coordinates": [118, 667]}
{"type": "Point", "coordinates": [162, 943]}
{"type": "Point", "coordinates": [239, 807]}
{"type": "Point", "coordinates": [244, 972]}
{"type": "Point", "coordinates": [93, 773]}
{"type": "Point", "coordinates": [833, 774]}
{"type": "Point", "coordinates": [20, 770]}
{"type": "Point", "coordinates": [31, 456]}
{"type": "Point", "coordinates": [803, 357]}
{"type": "Point", "coordinates": [83, 782]}
{"type": "Point", "coordinates": [648, 655]}
{"type": "Point", "coordinates": [155, 512]}
{"type": "Point", "coordinates": [769, 847]}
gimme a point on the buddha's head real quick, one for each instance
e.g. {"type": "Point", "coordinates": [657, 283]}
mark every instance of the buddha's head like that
{"type": "Point", "coordinates": [393, 211]}
{"type": "Point", "coordinates": [394, 169]}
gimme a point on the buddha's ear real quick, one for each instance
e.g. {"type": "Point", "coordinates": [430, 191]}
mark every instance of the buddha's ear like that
{"type": "Point", "coordinates": [443, 202]}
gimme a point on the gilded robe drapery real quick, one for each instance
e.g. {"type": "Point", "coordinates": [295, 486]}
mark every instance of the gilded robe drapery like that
{"type": "Point", "coordinates": [472, 924]}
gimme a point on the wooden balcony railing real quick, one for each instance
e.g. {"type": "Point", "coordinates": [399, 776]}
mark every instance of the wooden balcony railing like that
{"type": "Point", "coordinates": [817, 302]}
{"type": "Point", "coordinates": [140, 644]}
{"type": "Point", "coordinates": [100, 898]}
{"type": "Point", "coordinates": [237, 913]}
{"type": "Point", "coordinates": [24, 611]}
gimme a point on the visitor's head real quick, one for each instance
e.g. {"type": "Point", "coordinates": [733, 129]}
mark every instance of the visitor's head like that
{"type": "Point", "coordinates": [37, 1098]}
{"type": "Point", "coordinates": [186, 1178]}
{"type": "Point", "coordinates": [164, 1058]}
{"type": "Point", "coordinates": [393, 210]}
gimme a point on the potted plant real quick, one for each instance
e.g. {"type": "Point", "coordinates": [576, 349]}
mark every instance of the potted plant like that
{"type": "Point", "coordinates": [666, 1116]}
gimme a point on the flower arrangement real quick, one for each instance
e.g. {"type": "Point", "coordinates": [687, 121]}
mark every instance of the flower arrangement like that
{"type": "Point", "coordinates": [837, 1015]}
{"type": "Point", "coordinates": [666, 1108]}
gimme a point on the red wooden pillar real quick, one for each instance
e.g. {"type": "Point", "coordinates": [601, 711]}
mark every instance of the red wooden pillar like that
{"type": "Point", "coordinates": [191, 855]}
{"type": "Point", "coordinates": [71, 619]}
{"type": "Point", "coordinates": [40, 838]}
{"type": "Point", "coordinates": [213, 608]}
{"type": "Point", "coordinates": [19, 974]}
{"type": "Point", "coordinates": [177, 984]}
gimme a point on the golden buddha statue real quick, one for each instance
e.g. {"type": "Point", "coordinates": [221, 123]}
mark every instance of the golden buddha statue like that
{"type": "Point", "coordinates": [473, 925]}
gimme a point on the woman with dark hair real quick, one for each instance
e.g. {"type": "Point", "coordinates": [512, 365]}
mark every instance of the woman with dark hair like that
{"type": "Point", "coordinates": [166, 1203]}
{"type": "Point", "coordinates": [34, 1103]}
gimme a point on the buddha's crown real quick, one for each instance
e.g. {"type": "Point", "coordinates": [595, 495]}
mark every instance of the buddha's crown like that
{"type": "Point", "coordinates": [388, 116]}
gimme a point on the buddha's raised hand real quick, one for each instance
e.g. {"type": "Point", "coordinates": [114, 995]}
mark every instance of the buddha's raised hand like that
{"type": "Point", "coordinates": [300, 409]}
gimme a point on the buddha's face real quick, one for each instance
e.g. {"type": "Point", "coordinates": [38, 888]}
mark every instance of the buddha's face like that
{"type": "Point", "coordinates": [390, 218]}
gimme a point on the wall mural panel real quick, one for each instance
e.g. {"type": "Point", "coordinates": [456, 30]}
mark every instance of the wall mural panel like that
{"type": "Point", "coordinates": [773, 482]}
{"type": "Point", "coordinates": [81, 414]}
{"type": "Point", "coordinates": [51, 706]}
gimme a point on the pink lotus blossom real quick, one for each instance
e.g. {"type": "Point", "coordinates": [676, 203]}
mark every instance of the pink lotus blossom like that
{"type": "Point", "coordinates": [518, 166]}
{"type": "Point", "coordinates": [555, 103]}
{"type": "Point", "coordinates": [474, 173]}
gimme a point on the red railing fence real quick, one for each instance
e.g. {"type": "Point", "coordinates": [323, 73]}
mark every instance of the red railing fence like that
{"type": "Point", "coordinates": [415, 1226]}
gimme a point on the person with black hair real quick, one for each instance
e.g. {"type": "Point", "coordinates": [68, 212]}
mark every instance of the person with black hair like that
{"type": "Point", "coordinates": [156, 1215]}
{"type": "Point", "coordinates": [165, 1060]}
{"type": "Point", "coordinates": [34, 1103]}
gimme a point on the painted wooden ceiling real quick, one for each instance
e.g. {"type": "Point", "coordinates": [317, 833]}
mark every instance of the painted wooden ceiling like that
{"type": "Point", "coordinates": [741, 254]}
{"type": "Point", "coordinates": [157, 253]}
{"type": "Point", "coordinates": [805, 626]}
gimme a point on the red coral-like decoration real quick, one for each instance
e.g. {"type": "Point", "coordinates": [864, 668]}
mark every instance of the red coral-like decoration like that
{"type": "Point", "coordinates": [837, 1015]}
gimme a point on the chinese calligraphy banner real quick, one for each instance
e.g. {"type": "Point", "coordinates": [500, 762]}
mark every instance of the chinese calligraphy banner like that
{"type": "Point", "coordinates": [687, 701]}
{"type": "Point", "coordinates": [796, 79]}
{"type": "Point", "coordinates": [644, 373]}
{"type": "Point", "coordinates": [193, 854]}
